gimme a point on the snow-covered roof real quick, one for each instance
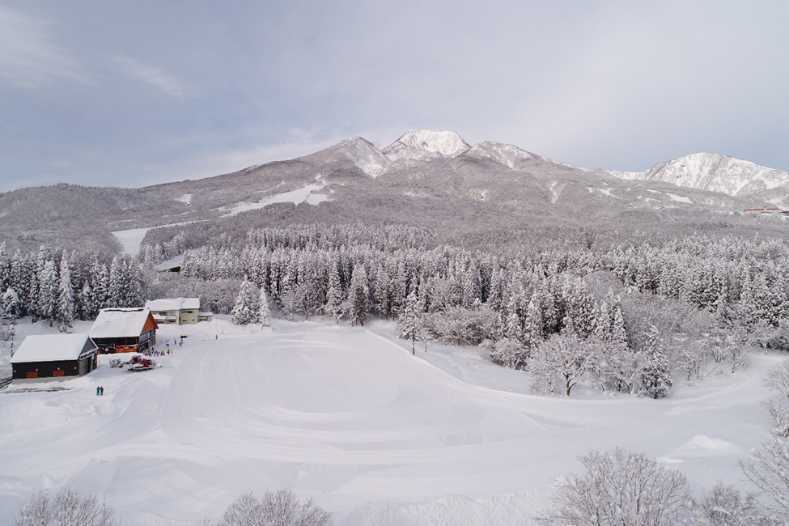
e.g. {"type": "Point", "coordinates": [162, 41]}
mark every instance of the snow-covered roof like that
{"type": "Point", "coordinates": [50, 348]}
{"type": "Point", "coordinates": [168, 304]}
{"type": "Point", "coordinates": [169, 264]}
{"type": "Point", "coordinates": [119, 323]}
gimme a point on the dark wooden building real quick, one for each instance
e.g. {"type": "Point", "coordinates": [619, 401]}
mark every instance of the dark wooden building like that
{"type": "Point", "coordinates": [124, 330]}
{"type": "Point", "coordinates": [54, 355]}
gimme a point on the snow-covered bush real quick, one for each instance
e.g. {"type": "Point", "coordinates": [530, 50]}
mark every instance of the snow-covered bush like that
{"type": "Point", "coordinates": [726, 506]}
{"type": "Point", "coordinates": [281, 508]}
{"type": "Point", "coordinates": [509, 353]}
{"type": "Point", "coordinates": [461, 326]}
{"type": "Point", "coordinates": [621, 488]}
{"type": "Point", "coordinates": [65, 508]}
{"type": "Point", "coordinates": [561, 362]}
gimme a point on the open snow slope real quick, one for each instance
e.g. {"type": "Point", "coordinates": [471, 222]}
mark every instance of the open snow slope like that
{"type": "Point", "coordinates": [351, 419]}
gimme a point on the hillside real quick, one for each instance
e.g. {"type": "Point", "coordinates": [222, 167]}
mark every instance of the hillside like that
{"type": "Point", "coordinates": [426, 178]}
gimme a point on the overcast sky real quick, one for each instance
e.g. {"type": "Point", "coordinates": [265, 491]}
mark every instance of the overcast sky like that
{"type": "Point", "coordinates": [133, 93]}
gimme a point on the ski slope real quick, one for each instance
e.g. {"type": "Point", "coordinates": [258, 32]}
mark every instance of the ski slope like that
{"type": "Point", "coordinates": [350, 418]}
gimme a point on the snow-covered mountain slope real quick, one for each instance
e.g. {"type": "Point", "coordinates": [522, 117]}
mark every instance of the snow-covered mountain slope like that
{"type": "Point", "coordinates": [419, 145]}
{"type": "Point", "coordinates": [433, 179]}
{"type": "Point", "coordinates": [713, 172]}
{"type": "Point", "coordinates": [358, 151]}
{"type": "Point", "coordinates": [509, 155]}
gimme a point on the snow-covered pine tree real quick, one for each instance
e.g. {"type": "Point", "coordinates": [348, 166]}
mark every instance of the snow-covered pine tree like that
{"type": "Point", "coordinates": [264, 313]}
{"type": "Point", "coordinates": [533, 323]}
{"type": "Point", "coordinates": [334, 294]}
{"type": "Point", "coordinates": [655, 374]}
{"type": "Point", "coordinates": [65, 310]}
{"type": "Point", "coordinates": [48, 291]}
{"type": "Point", "coordinates": [358, 295]}
{"type": "Point", "coordinates": [87, 301]}
{"type": "Point", "coordinates": [383, 292]}
{"type": "Point", "coordinates": [245, 310]}
{"type": "Point", "coordinates": [408, 321]}
{"type": "Point", "coordinates": [9, 304]}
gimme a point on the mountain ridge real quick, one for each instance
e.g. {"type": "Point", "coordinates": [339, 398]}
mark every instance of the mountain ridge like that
{"type": "Point", "coordinates": [432, 178]}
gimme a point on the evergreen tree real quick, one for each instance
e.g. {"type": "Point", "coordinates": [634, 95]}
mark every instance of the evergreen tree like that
{"type": "Point", "coordinates": [533, 324]}
{"type": "Point", "coordinates": [245, 310]}
{"type": "Point", "coordinates": [358, 295]}
{"type": "Point", "coordinates": [334, 294]}
{"type": "Point", "coordinates": [65, 310]}
{"type": "Point", "coordinates": [264, 313]}
{"type": "Point", "coordinates": [655, 374]}
{"type": "Point", "coordinates": [48, 291]}
{"type": "Point", "coordinates": [409, 320]}
{"type": "Point", "coordinates": [9, 305]}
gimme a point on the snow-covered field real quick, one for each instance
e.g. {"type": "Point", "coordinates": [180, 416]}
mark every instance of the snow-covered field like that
{"type": "Point", "coordinates": [350, 418]}
{"type": "Point", "coordinates": [131, 239]}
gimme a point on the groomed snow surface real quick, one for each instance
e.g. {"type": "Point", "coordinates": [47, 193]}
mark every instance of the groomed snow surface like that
{"type": "Point", "coordinates": [348, 417]}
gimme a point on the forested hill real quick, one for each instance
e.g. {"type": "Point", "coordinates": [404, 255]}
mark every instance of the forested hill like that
{"type": "Point", "coordinates": [465, 193]}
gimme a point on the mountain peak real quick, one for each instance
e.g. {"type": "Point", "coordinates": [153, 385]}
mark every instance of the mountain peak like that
{"type": "Point", "coordinates": [509, 155]}
{"type": "Point", "coordinates": [424, 144]}
{"type": "Point", "coordinates": [715, 172]}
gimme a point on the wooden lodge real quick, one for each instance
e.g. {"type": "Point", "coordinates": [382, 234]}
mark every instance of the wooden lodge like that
{"type": "Point", "coordinates": [124, 330]}
{"type": "Point", "coordinates": [53, 356]}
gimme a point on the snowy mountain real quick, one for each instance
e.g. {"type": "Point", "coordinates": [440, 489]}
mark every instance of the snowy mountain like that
{"type": "Point", "coordinates": [717, 173]}
{"type": "Point", "coordinates": [507, 154]}
{"type": "Point", "coordinates": [428, 178]}
{"type": "Point", "coordinates": [420, 145]}
{"type": "Point", "coordinates": [359, 151]}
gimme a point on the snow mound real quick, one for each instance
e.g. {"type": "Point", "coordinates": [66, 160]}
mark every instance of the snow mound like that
{"type": "Point", "coordinates": [509, 155]}
{"type": "Point", "coordinates": [426, 144]}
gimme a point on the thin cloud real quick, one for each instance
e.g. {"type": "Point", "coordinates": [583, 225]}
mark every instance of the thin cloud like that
{"type": "Point", "coordinates": [29, 54]}
{"type": "Point", "coordinates": [153, 76]}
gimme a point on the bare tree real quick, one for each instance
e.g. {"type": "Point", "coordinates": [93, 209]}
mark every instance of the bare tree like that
{"type": "Point", "coordinates": [768, 469]}
{"type": "Point", "coordinates": [726, 506]}
{"type": "Point", "coordinates": [281, 508]}
{"type": "Point", "coordinates": [620, 488]}
{"type": "Point", "coordinates": [66, 508]}
{"type": "Point", "coordinates": [778, 379]}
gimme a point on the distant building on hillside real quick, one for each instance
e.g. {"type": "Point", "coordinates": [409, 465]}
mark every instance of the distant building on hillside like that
{"type": "Point", "coordinates": [124, 330]}
{"type": "Point", "coordinates": [170, 265]}
{"type": "Point", "coordinates": [54, 355]}
{"type": "Point", "coordinates": [182, 311]}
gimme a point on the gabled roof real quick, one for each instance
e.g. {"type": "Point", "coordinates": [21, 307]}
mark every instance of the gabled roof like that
{"type": "Point", "coordinates": [51, 348]}
{"type": "Point", "coordinates": [166, 304]}
{"type": "Point", "coordinates": [119, 323]}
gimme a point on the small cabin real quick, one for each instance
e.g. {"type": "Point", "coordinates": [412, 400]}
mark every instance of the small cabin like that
{"type": "Point", "coordinates": [124, 330]}
{"type": "Point", "coordinates": [53, 356]}
{"type": "Point", "coordinates": [181, 311]}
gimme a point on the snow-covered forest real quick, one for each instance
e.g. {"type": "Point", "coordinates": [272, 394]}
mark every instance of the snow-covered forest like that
{"type": "Point", "coordinates": [625, 317]}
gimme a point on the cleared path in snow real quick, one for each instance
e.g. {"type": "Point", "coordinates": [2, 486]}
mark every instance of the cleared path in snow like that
{"type": "Point", "coordinates": [350, 419]}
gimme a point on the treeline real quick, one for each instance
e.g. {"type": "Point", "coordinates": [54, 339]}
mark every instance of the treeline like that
{"type": "Point", "coordinates": [61, 286]}
{"type": "Point", "coordinates": [534, 311]}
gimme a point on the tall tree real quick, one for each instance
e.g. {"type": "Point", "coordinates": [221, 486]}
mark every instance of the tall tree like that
{"type": "Point", "coordinates": [409, 320]}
